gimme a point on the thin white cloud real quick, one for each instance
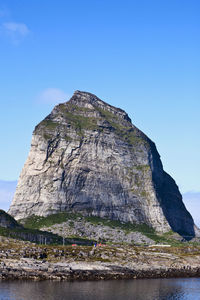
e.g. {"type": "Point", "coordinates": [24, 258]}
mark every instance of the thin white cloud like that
{"type": "Point", "coordinates": [52, 96]}
{"type": "Point", "coordinates": [16, 32]}
{"type": "Point", "coordinates": [16, 28]}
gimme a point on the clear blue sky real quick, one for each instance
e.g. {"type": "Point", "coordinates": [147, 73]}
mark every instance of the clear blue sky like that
{"type": "Point", "coordinates": [142, 56]}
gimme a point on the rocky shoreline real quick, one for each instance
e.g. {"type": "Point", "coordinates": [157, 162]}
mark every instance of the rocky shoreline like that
{"type": "Point", "coordinates": [29, 261]}
{"type": "Point", "coordinates": [31, 269]}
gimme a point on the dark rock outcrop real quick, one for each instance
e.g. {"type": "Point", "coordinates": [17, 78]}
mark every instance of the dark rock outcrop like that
{"type": "Point", "coordinates": [8, 221]}
{"type": "Point", "coordinates": [86, 156]}
{"type": "Point", "coordinates": [9, 227]}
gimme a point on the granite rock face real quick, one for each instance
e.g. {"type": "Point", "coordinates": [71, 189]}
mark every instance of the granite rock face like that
{"type": "Point", "coordinates": [86, 156]}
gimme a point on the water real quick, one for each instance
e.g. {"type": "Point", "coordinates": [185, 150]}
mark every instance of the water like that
{"type": "Point", "coordinates": [150, 289]}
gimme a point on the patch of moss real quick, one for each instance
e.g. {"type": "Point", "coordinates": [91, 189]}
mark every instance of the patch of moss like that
{"type": "Point", "coordinates": [142, 228]}
{"type": "Point", "coordinates": [29, 234]}
{"type": "Point", "coordinates": [117, 224]}
{"type": "Point", "coordinates": [143, 167]}
{"type": "Point", "coordinates": [71, 224]}
{"type": "Point", "coordinates": [107, 114]}
{"type": "Point", "coordinates": [46, 136]}
{"type": "Point", "coordinates": [75, 116]}
{"type": "Point", "coordinates": [144, 194]}
{"type": "Point", "coordinates": [74, 108]}
{"type": "Point", "coordinates": [36, 222]}
{"type": "Point", "coordinates": [49, 124]}
{"type": "Point", "coordinates": [46, 127]}
{"type": "Point", "coordinates": [81, 123]}
{"type": "Point", "coordinates": [126, 133]}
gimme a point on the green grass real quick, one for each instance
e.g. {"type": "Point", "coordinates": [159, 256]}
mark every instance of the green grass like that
{"type": "Point", "coordinates": [37, 222]}
{"type": "Point", "coordinates": [49, 124]}
{"type": "Point", "coordinates": [46, 127]}
{"type": "Point", "coordinates": [165, 238]}
{"type": "Point", "coordinates": [81, 123]}
{"type": "Point", "coordinates": [75, 116]}
{"type": "Point", "coordinates": [129, 227]}
{"type": "Point", "coordinates": [117, 224]}
{"type": "Point", "coordinates": [47, 136]}
{"type": "Point", "coordinates": [74, 108]}
{"type": "Point", "coordinates": [77, 121]}
{"type": "Point", "coordinates": [38, 236]}
{"type": "Point", "coordinates": [29, 234]}
{"type": "Point", "coordinates": [126, 133]}
{"type": "Point", "coordinates": [143, 168]}
{"type": "Point", "coordinates": [144, 194]}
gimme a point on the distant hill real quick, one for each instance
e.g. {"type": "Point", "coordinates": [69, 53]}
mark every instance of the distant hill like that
{"type": "Point", "coordinates": [8, 221]}
{"type": "Point", "coordinates": [7, 190]}
{"type": "Point", "coordinates": [192, 202]}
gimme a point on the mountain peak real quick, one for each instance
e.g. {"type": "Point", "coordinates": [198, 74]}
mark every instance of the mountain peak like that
{"type": "Point", "coordinates": [89, 100]}
{"type": "Point", "coordinates": [87, 157]}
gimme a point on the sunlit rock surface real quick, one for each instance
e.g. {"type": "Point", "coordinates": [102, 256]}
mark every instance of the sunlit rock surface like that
{"type": "Point", "coordinates": [87, 156]}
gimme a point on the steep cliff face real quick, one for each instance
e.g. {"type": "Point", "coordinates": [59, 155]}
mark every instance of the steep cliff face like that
{"type": "Point", "coordinates": [86, 156]}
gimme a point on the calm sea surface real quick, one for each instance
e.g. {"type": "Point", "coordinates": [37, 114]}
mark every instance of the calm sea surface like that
{"type": "Point", "coordinates": [151, 289]}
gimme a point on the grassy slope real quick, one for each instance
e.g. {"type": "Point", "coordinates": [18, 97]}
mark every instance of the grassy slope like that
{"type": "Point", "coordinates": [33, 234]}
{"type": "Point", "coordinates": [37, 222]}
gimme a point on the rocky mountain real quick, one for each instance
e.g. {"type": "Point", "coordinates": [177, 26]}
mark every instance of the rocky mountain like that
{"type": "Point", "coordinates": [86, 156]}
{"type": "Point", "coordinates": [10, 228]}
{"type": "Point", "coordinates": [8, 221]}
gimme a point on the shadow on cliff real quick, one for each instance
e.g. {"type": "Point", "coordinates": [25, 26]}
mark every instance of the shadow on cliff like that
{"type": "Point", "coordinates": [174, 209]}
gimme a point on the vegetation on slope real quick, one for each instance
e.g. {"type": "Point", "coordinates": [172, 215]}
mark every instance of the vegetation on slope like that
{"type": "Point", "coordinates": [77, 118]}
{"type": "Point", "coordinates": [37, 222]}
